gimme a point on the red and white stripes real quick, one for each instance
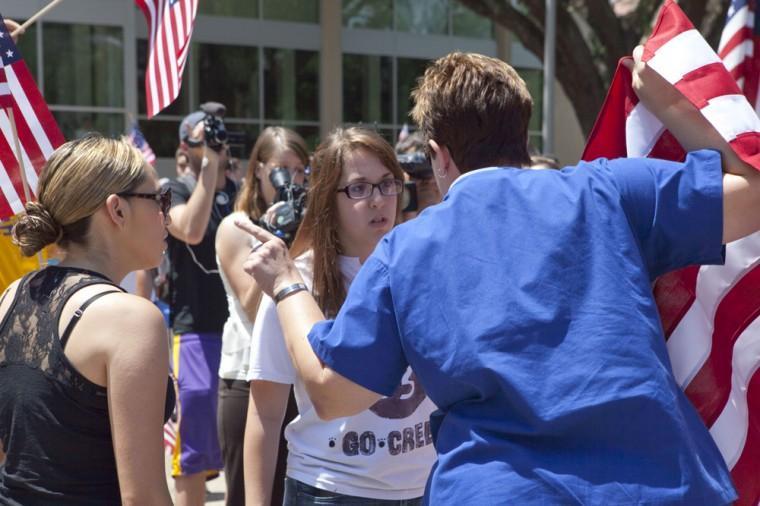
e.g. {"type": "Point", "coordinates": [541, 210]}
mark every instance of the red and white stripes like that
{"type": "Point", "coordinates": [36, 128]}
{"type": "Point", "coordinates": [709, 313]}
{"type": "Point", "coordinates": [170, 26]}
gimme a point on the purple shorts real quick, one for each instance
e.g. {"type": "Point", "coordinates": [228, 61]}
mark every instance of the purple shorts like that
{"type": "Point", "coordinates": [195, 364]}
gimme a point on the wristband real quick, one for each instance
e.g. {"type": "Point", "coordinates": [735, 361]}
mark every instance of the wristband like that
{"type": "Point", "coordinates": [289, 290]}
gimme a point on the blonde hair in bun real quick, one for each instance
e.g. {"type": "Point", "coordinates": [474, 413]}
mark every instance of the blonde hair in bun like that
{"type": "Point", "coordinates": [74, 182]}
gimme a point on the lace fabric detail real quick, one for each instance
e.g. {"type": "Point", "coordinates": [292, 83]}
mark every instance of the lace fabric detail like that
{"type": "Point", "coordinates": [29, 333]}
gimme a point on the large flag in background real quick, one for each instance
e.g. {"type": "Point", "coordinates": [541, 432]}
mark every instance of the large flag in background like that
{"type": "Point", "coordinates": [170, 26]}
{"type": "Point", "coordinates": [38, 132]}
{"type": "Point", "coordinates": [739, 47]}
{"type": "Point", "coordinates": [709, 313]}
{"type": "Point", "coordinates": [137, 139]}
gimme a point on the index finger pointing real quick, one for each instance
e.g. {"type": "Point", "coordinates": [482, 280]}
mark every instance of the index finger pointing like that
{"type": "Point", "coordinates": [257, 232]}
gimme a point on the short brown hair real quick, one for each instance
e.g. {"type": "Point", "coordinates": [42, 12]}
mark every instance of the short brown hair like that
{"type": "Point", "coordinates": [478, 107]}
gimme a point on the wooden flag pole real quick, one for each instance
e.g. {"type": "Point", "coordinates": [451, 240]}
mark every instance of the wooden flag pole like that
{"type": "Point", "coordinates": [22, 169]}
{"type": "Point", "coordinates": [34, 18]}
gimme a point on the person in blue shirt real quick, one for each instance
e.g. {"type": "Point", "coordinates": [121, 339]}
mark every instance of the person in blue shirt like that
{"type": "Point", "coordinates": [523, 303]}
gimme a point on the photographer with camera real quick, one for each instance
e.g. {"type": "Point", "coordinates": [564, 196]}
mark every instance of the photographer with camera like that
{"type": "Point", "coordinates": [420, 189]}
{"type": "Point", "coordinates": [274, 180]}
{"type": "Point", "coordinates": [201, 198]}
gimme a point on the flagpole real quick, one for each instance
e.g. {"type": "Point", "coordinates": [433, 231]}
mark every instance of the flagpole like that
{"type": "Point", "coordinates": [550, 56]}
{"type": "Point", "coordinates": [22, 169]}
{"type": "Point", "coordinates": [34, 18]}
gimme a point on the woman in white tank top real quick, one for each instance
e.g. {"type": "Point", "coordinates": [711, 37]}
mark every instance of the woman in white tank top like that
{"type": "Point", "coordinates": [275, 147]}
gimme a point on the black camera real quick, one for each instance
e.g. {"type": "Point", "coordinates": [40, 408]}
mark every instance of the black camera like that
{"type": "Point", "coordinates": [286, 219]}
{"type": "Point", "coordinates": [416, 164]}
{"type": "Point", "coordinates": [214, 131]}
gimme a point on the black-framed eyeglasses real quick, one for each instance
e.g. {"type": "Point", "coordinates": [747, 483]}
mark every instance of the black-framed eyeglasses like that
{"type": "Point", "coordinates": [163, 198]}
{"type": "Point", "coordinates": [363, 190]}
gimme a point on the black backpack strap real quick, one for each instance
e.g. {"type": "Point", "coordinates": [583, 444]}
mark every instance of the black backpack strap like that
{"type": "Point", "coordinates": [78, 315]}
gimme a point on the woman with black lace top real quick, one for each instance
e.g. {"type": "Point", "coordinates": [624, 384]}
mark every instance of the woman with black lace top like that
{"type": "Point", "coordinates": [83, 365]}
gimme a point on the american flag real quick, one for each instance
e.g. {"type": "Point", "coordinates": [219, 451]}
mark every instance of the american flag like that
{"type": "Point", "coordinates": [137, 139]}
{"type": "Point", "coordinates": [170, 436]}
{"type": "Point", "coordinates": [37, 130]}
{"type": "Point", "coordinates": [739, 43]}
{"type": "Point", "coordinates": [170, 25]}
{"type": "Point", "coordinates": [709, 313]}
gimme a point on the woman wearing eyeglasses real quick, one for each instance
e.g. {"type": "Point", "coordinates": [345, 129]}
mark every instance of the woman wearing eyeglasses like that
{"type": "Point", "coordinates": [84, 387]}
{"type": "Point", "coordinates": [382, 455]}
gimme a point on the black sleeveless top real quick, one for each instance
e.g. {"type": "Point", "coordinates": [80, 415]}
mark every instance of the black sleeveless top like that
{"type": "Point", "coordinates": [54, 422]}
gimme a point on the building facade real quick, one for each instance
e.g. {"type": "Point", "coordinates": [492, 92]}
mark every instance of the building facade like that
{"type": "Point", "coordinates": [306, 64]}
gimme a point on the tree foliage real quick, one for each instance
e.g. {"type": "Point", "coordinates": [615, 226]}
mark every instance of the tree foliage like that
{"type": "Point", "coordinates": [592, 35]}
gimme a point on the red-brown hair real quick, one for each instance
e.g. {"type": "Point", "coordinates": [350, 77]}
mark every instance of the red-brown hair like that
{"type": "Point", "coordinates": [319, 227]}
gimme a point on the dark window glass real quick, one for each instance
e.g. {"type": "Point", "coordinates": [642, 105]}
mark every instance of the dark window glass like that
{"type": "Point", "coordinates": [228, 74]}
{"type": "Point", "coordinates": [535, 142]}
{"type": "Point", "coordinates": [408, 71]}
{"type": "Point", "coordinates": [180, 105]}
{"type": "Point", "coordinates": [291, 85]}
{"type": "Point", "coordinates": [242, 138]}
{"type": "Point", "coordinates": [233, 8]}
{"type": "Point", "coordinates": [84, 65]}
{"type": "Point", "coordinates": [377, 14]}
{"type": "Point", "coordinates": [74, 125]}
{"type": "Point", "coordinates": [466, 23]}
{"type": "Point", "coordinates": [303, 11]}
{"type": "Point", "coordinates": [427, 17]}
{"type": "Point", "coordinates": [534, 79]}
{"type": "Point", "coordinates": [367, 88]}
{"type": "Point", "coordinates": [27, 45]}
{"type": "Point", "coordinates": [309, 133]}
{"type": "Point", "coordinates": [162, 135]}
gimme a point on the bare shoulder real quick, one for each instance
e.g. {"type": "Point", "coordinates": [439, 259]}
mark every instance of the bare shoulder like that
{"type": "Point", "coordinates": [120, 320]}
{"type": "Point", "coordinates": [229, 236]}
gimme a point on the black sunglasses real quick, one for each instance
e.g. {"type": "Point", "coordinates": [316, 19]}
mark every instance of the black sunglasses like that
{"type": "Point", "coordinates": [163, 198]}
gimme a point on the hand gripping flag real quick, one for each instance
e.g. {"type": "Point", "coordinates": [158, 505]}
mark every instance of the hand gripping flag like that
{"type": "Point", "coordinates": [709, 313]}
{"type": "Point", "coordinates": [170, 26]}
{"type": "Point", "coordinates": [37, 130]}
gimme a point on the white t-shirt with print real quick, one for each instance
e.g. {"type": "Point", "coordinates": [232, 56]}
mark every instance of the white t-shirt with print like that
{"type": "Point", "coordinates": [385, 452]}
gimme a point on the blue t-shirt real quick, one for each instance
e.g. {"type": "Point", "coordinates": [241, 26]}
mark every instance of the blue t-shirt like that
{"type": "Point", "coordinates": [523, 303]}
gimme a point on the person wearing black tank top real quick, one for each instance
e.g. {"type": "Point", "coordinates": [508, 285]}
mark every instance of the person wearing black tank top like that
{"type": "Point", "coordinates": [84, 387]}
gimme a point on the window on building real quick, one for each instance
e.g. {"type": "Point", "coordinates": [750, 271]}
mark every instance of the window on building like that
{"type": "Point", "coordinates": [85, 65]}
{"type": "Point", "coordinates": [534, 79]}
{"type": "Point", "coordinates": [466, 23]}
{"type": "Point", "coordinates": [233, 8]}
{"type": "Point", "coordinates": [376, 14]}
{"type": "Point", "coordinates": [228, 74]}
{"type": "Point", "coordinates": [367, 89]}
{"type": "Point", "coordinates": [302, 11]}
{"type": "Point", "coordinates": [86, 92]}
{"type": "Point", "coordinates": [27, 45]}
{"type": "Point", "coordinates": [408, 71]}
{"type": "Point", "coordinates": [162, 134]}
{"type": "Point", "coordinates": [75, 124]}
{"type": "Point", "coordinates": [291, 85]}
{"type": "Point", "coordinates": [426, 17]}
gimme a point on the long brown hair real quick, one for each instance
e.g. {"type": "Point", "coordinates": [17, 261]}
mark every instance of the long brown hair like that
{"type": "Point", "coordinates": [271, 141]}
{"type": "Point", "coordinates": [318, 230]}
